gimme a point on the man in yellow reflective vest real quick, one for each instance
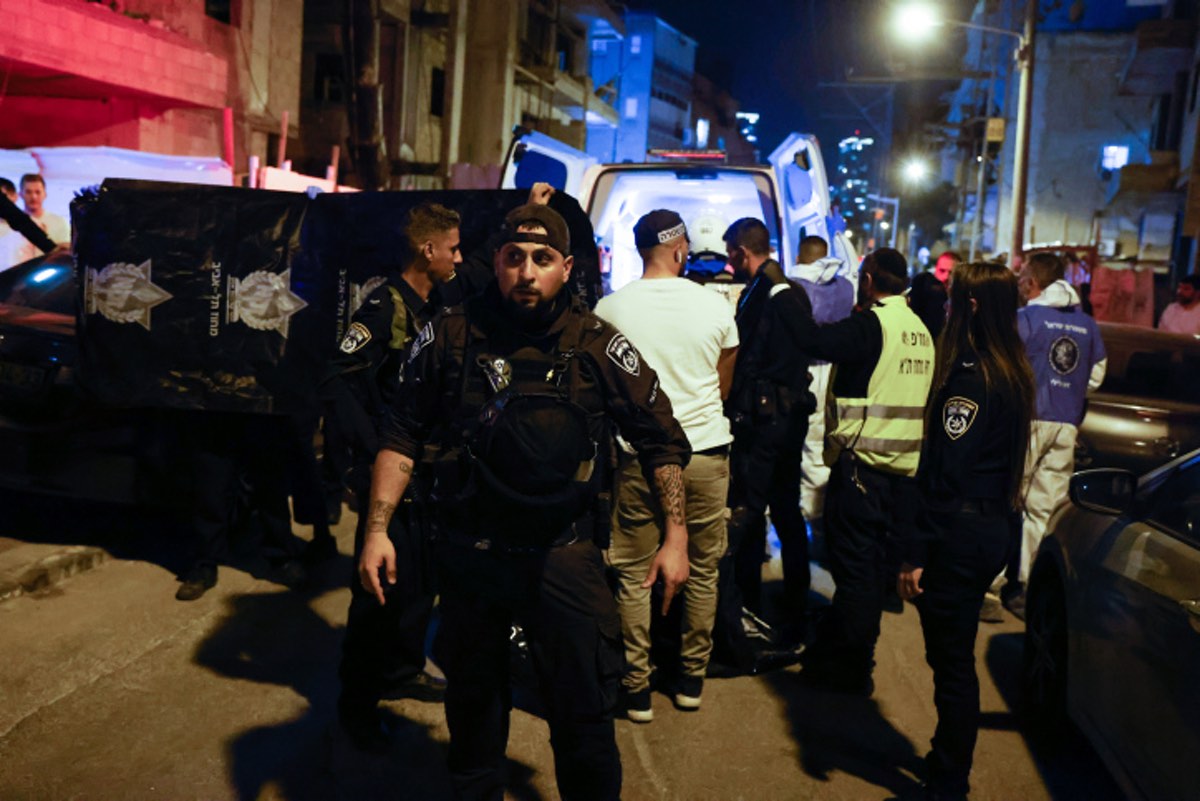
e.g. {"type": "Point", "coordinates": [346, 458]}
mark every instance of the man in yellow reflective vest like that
{"type": "Point", "coordinates": [883, 365]}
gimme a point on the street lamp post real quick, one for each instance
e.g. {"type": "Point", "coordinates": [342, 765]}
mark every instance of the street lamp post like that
{"type": "Point", "coordinates": [920, 19]}
{"type": "Point", "coordinates": [1021, 147]}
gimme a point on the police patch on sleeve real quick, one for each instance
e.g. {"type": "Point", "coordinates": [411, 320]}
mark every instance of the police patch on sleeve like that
{"type": "Point", "coordinates": [624, 355]}
{"type": "Point", "coordinates": [1064, 355]}
{"type": "Point", "coordinates": [356, 337]}
{"type": "Point", "coordinates": [423, 339]}
{"type": "Point", "coordinates": [958, 415]}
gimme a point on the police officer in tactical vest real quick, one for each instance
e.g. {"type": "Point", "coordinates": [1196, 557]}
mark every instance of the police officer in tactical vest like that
{"type": "Point", "coordinates": [383, 654]}
{"type": "Point", "coordinates": [768, 407]}
{"type": "Point", "coordinates": [503, 412]}
{"type": "Point", "coordinates": [883, 365]}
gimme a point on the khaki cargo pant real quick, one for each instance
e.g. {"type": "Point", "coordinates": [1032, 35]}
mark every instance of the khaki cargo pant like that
{"type": "Point", "coordinates": [637, 533]}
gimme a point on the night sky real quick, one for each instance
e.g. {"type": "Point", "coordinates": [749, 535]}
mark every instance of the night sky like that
{"type": "Point", "coordinates": [773, 54]}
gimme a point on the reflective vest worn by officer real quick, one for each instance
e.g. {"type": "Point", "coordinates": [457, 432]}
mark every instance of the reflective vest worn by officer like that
{"type": "Point", "coordinates": [515, 424]}
{"type": "Point", "coordinates": [882, 422]}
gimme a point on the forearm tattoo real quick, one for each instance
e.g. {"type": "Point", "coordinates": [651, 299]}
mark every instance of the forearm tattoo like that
{"type": "Point", "coordinates": [404, 467]}
{"type": "Point", "coordinates": [380, 515]}
{"type": "Point", "coordinates": [669, 482]}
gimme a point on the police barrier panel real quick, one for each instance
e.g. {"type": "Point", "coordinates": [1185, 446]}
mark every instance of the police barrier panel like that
{"type": "Point", "coordinates": [220, 298]}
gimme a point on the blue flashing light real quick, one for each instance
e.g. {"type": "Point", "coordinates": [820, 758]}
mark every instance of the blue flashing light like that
{"type": "Point", "coordinates": [43, 275]}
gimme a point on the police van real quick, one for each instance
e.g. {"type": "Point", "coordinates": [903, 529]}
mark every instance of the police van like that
{"type": "Point", "coordinates": [790, 195]}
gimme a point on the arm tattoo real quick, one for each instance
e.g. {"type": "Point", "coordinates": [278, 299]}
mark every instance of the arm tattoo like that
{"type": "Point", "coordinates": [669, 481]}
{"type": "Point", "coordinates": [404, 467]}
{"type": "Point", "coordinates": [380, 515]}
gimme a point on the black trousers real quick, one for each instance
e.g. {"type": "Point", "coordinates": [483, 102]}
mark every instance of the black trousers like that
{"type": "Point", "coordinates": [223, 450]}
{"type": "Point", "coordinates": [570, 619]}
{"type": "Point", "coordinates": [764, 466]}
{"type": "Point", "coordinates": [970, 549]}
{"type": "Point", "coordinates": [863, 509]}
{"type": "Point", "coordinates": [384, 645]}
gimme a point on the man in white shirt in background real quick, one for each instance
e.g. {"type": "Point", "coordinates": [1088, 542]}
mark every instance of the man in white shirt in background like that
{"type": "Point", "coordinates": [1183, 316]}
{"type": "Point", "coordinates": [688, 335]}
{"type": "Point", "coordinates": [15, 248]}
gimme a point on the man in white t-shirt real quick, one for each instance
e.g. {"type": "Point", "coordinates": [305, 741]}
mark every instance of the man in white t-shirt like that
{"type": "Point", "coordinates": [15, 248]}
{"type": "Point", "coordinates": [688, 334]}
{"type": "Point", "coordinates": [1183, 316]}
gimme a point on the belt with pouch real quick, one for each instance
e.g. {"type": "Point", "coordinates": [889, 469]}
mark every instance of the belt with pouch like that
{"type": "Point", "coordinates": [578, 531]}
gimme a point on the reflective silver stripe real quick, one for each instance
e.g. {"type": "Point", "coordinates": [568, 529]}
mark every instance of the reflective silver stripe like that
{"type": "Point", "coordinates": [883, 446]}
{"type": "Point", "coordinates": [880, 411]}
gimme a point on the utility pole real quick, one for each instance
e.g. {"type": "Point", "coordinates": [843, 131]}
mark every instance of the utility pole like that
{"type": "Point", "coordinates": [1021, 147]}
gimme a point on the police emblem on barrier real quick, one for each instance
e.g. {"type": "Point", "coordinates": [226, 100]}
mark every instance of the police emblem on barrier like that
{"type": "Point", "coordinates": [1064, 355]}
{"type": "Point", "coordinates": [123, 293]}
{"type": "Point", "coordinates": [360, 292]}
{"type": "Point", "coordinates": [264, 301]}
{"type": "Point", "coordinates": [357, 336]}
{"type": "Point", "coordinates": [958, 415]}
{"type": "Point", "coordinates": [624, 355]}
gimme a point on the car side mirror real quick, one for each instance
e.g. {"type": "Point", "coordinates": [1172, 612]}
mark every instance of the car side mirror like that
{"type": "Point", "coordinates": [1108, 491]}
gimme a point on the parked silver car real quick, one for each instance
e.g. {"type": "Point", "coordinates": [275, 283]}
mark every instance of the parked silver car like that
{"type": "Point", "coordinates": [1113, 625]}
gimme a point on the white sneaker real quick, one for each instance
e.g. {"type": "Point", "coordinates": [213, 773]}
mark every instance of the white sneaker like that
{"type": "Point", "coordinates": [687, 693]}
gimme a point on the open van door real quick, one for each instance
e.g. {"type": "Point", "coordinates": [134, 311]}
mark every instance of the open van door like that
{"type": "Point", "coordinates": [804, 186]}
{"type": "Point", "coordinates": [534, 157]}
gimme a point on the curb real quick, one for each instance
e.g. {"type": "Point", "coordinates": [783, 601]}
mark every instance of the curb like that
{"type": "Point", "coordinates": [50, 570]}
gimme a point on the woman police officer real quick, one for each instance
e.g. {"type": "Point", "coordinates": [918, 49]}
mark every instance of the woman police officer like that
{"type": "Point", "coordinates": [977, 426]}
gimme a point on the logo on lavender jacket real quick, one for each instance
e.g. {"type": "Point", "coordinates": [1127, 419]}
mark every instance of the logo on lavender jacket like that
{"type": "Point", "coordinates": [1064, 355]}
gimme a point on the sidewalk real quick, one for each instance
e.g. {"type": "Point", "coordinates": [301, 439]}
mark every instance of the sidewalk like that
{"type": "Point", "coordinates": [28, 567]}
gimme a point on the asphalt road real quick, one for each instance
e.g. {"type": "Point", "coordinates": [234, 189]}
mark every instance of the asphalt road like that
{"type": "Point", "coordinates": [110, 689]}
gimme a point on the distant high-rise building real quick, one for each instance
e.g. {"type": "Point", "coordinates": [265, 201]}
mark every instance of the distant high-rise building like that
{"type": "Point", "coordinates": [853, 183]}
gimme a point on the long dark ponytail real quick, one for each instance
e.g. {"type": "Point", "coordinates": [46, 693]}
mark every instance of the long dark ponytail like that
{"type": "Point", "coordinates": [988, 329]}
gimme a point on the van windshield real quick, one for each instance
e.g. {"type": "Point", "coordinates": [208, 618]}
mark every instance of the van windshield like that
{"type": "Point", "coordinates": [708, 198]}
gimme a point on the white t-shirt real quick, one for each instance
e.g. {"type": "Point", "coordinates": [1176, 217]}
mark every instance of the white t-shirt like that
{"type": "Point", "coordinates": [681, 328]}
{"type": "Point", "coordinates": [1179, 320]}
{"type": "Point", "coordinates": [15, 248]}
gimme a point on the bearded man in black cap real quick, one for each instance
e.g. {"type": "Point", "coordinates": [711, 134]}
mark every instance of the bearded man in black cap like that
{"type": "Point", "coordinates": [505, 402]}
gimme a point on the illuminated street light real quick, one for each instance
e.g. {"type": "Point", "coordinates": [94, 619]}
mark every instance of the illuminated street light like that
{"type": "Point", "coordinates": [915, 170]}
{"type": "Point", "coordinates": [916, 22]}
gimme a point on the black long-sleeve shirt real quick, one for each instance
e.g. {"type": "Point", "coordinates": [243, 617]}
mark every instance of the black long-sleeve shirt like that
{"type": "Point", "coordinates": [854, 344]}
{"type": "Point", "coordinates": [968, 453]}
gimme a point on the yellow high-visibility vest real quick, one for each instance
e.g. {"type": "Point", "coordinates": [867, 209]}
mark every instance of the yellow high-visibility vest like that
{"type": "Point", "coordinates": [885, 428]}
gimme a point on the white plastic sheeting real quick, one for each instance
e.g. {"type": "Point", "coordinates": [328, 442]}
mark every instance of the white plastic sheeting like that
{"type": "Point", "coordinates": [66, 170]}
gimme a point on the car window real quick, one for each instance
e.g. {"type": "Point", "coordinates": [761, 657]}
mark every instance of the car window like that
{"type": "Point", "coordinates": [1153, 367]}
{"type": "Point", "coordinates": [1175, 504]}
{"type": "Point", "coordinates": [40, 284]}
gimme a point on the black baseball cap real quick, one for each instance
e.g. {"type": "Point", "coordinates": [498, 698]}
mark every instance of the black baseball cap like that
{"type": "Point", "coordinates": [556, 235]}
{"type": "Point", "coordinates": [658, 227]}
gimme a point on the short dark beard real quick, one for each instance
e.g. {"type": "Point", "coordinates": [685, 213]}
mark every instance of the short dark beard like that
{"type": "Point", "coordinates": [538, 316]}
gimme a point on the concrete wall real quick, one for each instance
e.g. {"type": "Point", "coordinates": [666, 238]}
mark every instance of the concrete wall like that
{"type": "Point", "coordinates": [1076, 111]}
{"type": "Point", "coordinates": [158, 85]}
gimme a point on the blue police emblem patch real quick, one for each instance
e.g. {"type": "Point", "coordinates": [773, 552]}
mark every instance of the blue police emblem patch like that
{"type": "Point", "coordinates": [958, 415]}
{"type": "Point", "coordinates": [1064, 355]}
{"type": "Point", "coordinates": [422, 340]}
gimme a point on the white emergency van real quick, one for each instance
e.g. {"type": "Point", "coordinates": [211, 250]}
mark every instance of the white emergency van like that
{"type": "Point", "coordinates": [790, 195]}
